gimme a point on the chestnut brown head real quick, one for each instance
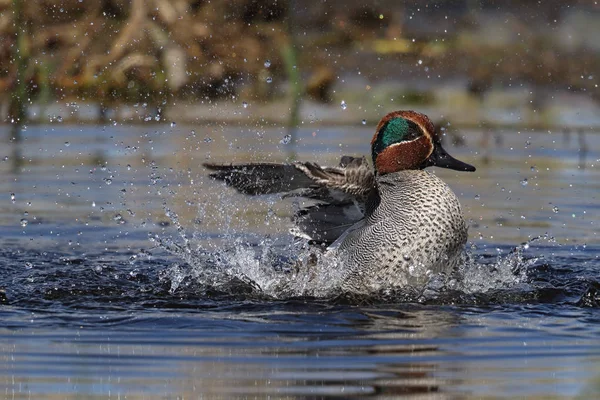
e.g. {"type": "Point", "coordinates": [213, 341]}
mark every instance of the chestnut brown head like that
{"type": "Point", "coordinates": [407, 140]}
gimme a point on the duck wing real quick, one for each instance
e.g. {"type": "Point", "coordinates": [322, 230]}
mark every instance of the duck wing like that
{"type": "Point", "coordinates": [353, 178]}
{"type": "Point", "coordinates": [260, 178]}
{"type": "Point", "coordinates": [337, 195]}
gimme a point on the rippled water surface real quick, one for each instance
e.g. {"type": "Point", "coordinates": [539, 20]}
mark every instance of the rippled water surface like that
{"type": "Point", "coordinates": [127, 274]}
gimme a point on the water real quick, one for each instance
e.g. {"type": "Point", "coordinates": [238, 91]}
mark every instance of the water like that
{"type": "Point", "coordinates": [136, 277]}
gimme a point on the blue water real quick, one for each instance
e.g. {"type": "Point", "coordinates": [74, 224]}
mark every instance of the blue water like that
{"type": "Point", "coordinates": [127, 275]}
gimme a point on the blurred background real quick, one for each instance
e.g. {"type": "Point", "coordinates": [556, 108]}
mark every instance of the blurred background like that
{"type": "Point", "coordinates": [293, 61]}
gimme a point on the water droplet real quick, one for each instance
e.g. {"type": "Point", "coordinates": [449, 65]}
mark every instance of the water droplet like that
{"type": "Point", "coordinates": [67, 144]}
{"type": "Point", "coordinates": [108, 181]}
{"type": "Point", "coordinates": [207, 140]}
{"type": "Point", "coordinates": [477, 197]}
{"type": "Point", "coordinates": [13, 198]}
{"type": "Point", "coordinates": [24, 222]}
{"type": "Point", "coordinates": [269, 216]}
{"type": "Point", "coordinates": [28, 265]}
{"type": "Point", "coordinates": [267, 63]}
{"type": "Point", "coordinates": [343, 105]}
{"type": "Point", "coordinates": [524, 182]}
{"type": "Point", "coordinates": [173, 124]}
{"type": "Point", "coordinates": [286, 139]}
{"type": "Point", "coordinates": [420, 62]}
{"type": "Point", "coordinates": [244, 104]}
{"type": "Point", "coordinates": [59, 118]}
{"type": "Point", "coordinates": [128, 167]}
{"type": "Point", "coordinates": [555, 210]}
{"type": "Point", "coordinates": [364, 121]}
{"type": "Point", "coordinates": [406, 257]}
{"type": "Point", "coordinates": [269, 79]}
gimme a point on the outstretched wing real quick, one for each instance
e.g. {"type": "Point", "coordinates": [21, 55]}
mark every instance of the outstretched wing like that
{"type": "Point", "coordinates": [260, 178]}
{"type": "Point", "coordinates": [338, 194]}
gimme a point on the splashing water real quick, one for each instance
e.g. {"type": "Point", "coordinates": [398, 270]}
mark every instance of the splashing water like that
{"type": "Point", "coordinates": [263, 268]}
{"type": "Point", "coordinates": [267, 267]}
{"type": "Point", "coordinates": [505, 272]}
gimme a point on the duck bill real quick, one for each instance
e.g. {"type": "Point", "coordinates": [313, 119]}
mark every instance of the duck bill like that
{"type": "Point", "coordinates": [441, 158]}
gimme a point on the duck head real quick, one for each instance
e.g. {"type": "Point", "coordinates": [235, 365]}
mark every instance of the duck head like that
{"type": "Point", "coordinates": [407, 140]}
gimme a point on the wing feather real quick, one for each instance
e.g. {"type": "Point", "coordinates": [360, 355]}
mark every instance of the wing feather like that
{"type": "Point", "coordinates": [340, 193]}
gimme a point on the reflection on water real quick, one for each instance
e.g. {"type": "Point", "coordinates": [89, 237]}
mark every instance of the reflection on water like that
{"type": "Point", "coordinates": [357, 351]}
{"type": "Point", "coordinates": [89, 314]}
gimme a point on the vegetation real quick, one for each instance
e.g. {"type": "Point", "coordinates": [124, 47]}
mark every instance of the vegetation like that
{"type": "Point", "coordinates": [129, 51]}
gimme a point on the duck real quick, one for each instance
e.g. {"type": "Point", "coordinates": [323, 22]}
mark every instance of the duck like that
{"type": "Point", "coordinates": [391, 225]}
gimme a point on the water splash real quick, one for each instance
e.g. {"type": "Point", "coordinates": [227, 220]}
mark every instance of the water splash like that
{"type": "Point", "coordinates": [506, 271]}
{"type": "Point", "coordinates": [265, 268]}
{"type": "Point", "coordinates": [286, 268]}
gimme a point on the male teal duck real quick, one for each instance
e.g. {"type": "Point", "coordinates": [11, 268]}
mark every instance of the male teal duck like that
{"type": "Point", "coordinates": [391, 227]}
